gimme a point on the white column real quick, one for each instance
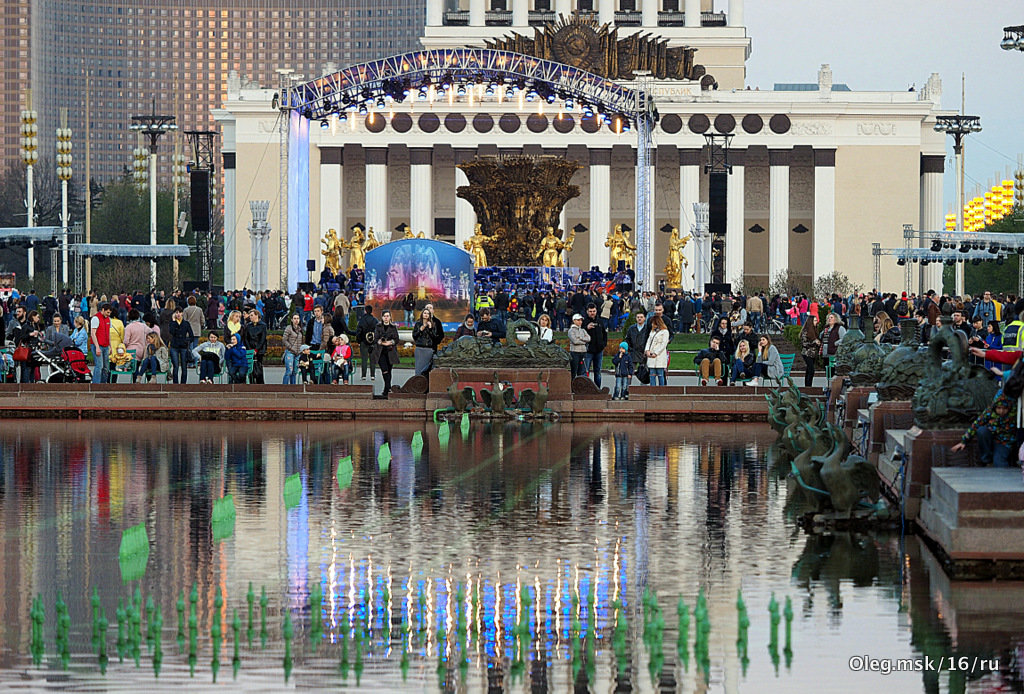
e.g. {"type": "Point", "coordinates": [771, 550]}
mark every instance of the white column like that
{"type": "Point", "coordinates": [520, 13]}
{"type": "Point", "coordinates": [825, 211]}
{"type": "Point", "coordinates": [691, 11]}
{"type": "Point", "coordinates": [649, 13]}
{"type": "Point", "coordinates": [689, 193]}
{"type": "Point", "coordinates": [435, 13]}
{"type": "Point", "coordinates": [377, 192]}
{"type": "Point", "coordinates": [778, 211]}
{"type": "Point", "coordinates": [230, 228]}
{"type": "Point", "coordinates": [477, 13]}
{"type": "Point", "coordinates": [734, 220]}
{"type": "Point", "coordinates": [421, 190]}
{"type": "Point", "coordinates": [563, 7]}
{"type": "Point", "coordinates": [735, 16]}
{"type": "Point", "coordinates": [331, 181]}
{"type": "Point", "coordinates": [600, 206]}
{"type": "Point", "coordinates": [465, 216]}
{"type": "Point", "coordinates": [931, 212]}
{"type": "Point", "coordinates": [606, 11]}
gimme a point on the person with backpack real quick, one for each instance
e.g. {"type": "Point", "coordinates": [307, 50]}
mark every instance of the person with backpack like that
{"type": "Point", "coordinates": [902, 307]}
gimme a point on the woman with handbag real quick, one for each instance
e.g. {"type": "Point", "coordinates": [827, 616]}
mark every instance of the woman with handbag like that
{"type": "Point", "coordinates": [385, 351]}
{"type": "Point", "coordinates": [423, 336]}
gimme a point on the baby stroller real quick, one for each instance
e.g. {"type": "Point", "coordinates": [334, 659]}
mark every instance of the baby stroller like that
{"type": "Point", "coordinates": [69, 367]}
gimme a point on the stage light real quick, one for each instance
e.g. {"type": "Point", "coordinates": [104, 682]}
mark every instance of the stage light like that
{"type": "Point", "coordinates": [901, 262]}
{"type": "Point", "coordinates": [342, 117]}
{"type": "Point", "coordinates": [423, 94]}
{"type": "Point", "coordinates": [568, 104]}
{"type": "Point", "coordinates": [999, 260]}
{"type": "Point", "coordinates": [324, 125]}
{"type": "Point", "coordinates": [381, 103]}
{"type": "Point", "coordinates": [367, 95]}
{"type": "Point", "coordinates": [490, 90]}
{"type": "Point", "coordinates": [510, 93]}
{"type": "Point", "coordinates": [461, 91]}
{"type": "Point", "coordinates": [362, 109]}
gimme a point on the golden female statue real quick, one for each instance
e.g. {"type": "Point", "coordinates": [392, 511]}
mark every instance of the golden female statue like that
{"type": "Point", "coordinates": [356, 251]}
{"type": "Point", "coordinates": [550, 250]}
{"type": "Point", "coordinates": [332, 251]}
{"type": "Point", "coordinates": [371, 241]}
{"type": "Point", "coordinates": [475, 245]}
{"type": "Point", "coordinates": [676, 261]}
{"type": "Point", "coordinates": [620, 247]}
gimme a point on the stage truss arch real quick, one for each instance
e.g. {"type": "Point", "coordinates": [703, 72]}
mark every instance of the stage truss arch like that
{"type": "Point", "coordinates": [336, 93]}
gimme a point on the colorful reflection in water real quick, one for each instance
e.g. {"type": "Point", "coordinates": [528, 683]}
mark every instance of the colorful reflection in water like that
{"type": "Point", "coordinates": [516, 558]}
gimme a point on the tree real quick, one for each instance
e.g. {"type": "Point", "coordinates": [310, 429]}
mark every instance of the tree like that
{"type": "Point", "coordinates": [834, 283]}
{"type": "Point", "coordinates": [787, 282]}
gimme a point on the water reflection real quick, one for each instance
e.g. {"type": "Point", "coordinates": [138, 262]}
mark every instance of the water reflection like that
{"type": "Point", "coordinates": [494, 561]}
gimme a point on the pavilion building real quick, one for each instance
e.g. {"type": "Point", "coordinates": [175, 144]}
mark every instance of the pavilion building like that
{"type": "Point", "coordinates": [816, 173]}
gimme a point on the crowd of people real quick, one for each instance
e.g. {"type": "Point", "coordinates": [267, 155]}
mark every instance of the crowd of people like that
{"type": "Point", "coordinates": [142, 335]}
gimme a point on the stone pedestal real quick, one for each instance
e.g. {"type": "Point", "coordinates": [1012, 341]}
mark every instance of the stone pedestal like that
{"type": "Point", "coordinates": [918, 444]}
{"type": "Point", "coordinates": [856, 399]}
{"type": "Point", "coordinates": [558, 380]}
{"type": "Point", "coordinates": [976, 516]}
{"type": "Point", "coordinates": [898, 414]}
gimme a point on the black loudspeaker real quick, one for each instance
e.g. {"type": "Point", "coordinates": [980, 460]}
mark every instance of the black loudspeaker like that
{"type": "Point", "coordinates": [190, 286]}
{"type": "Point", "coordinates": [718, 184]}
{"type": "Point", "coordinates": [199, 180]}
{"type": "Point", "coordinates": [718, 288]}
{"type": "Point", "coordinates": [310, 266]}
{"type": "Point", "coordinates": [307, 287]}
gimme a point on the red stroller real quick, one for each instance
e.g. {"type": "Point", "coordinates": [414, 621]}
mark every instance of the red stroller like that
{"type": "Point", "coordinates": [70, 367]}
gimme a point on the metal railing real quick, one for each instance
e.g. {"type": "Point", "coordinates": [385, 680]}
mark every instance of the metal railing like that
{"type": "Point", "coordinates": [456, 18]}
{"type": "Point", "coordinates": [538, 17]}
{"type": "Point", "coordinates": [628, 19]}
{"type": "Point", "coordinates": [498, 18]}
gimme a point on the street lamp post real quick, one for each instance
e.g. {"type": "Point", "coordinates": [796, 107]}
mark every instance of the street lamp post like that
{"type": "Point", "coordinates": [64, 174]}
{"type": "Point", "coordinates": [153, 126]}
{"type": "Point", "coordinates": [959, 126]}
{"type": "Point", "coordinates": [1013, 38]}
{"type": "Point", "coordinates": [29, 156]}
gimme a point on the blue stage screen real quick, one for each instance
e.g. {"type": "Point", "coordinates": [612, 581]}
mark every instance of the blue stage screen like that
{"type": "Point", "coordinates": [434, 272]}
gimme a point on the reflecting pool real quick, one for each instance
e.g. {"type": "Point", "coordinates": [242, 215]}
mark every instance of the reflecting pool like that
{"type": "Point", "coordinates": [514, 557]}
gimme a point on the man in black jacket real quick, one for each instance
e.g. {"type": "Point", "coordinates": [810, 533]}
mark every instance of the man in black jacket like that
{"type": "Point", "coordinates": [254, 337]}
{"type": "Point", "coordinates": [636, 337]}
{"type": "Point", "coordinates": [490, 327]}
{"type": "Point", "coordinates": [501, 304]}
{"type": "Point", "coordinates": [595, 348]}
{"type": "Point", "coordinates": [364, 335]}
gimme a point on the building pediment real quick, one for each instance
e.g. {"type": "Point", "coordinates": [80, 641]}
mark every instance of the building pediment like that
{"type": "Point", "coordinates": [581, 42]}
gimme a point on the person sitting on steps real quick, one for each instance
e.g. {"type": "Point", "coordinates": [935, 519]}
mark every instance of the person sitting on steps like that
{"type": "Point", "coordinates": [711, 360]}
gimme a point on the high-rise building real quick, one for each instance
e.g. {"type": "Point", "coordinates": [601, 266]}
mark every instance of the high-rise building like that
{"type": "Point", "coordinates": [132, 54]}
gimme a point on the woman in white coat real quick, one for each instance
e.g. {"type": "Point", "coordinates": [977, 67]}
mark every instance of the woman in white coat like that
{"type": "Point", "coordinates": [656, 351]}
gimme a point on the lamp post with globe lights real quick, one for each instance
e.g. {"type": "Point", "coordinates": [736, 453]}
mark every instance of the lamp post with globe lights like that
{"type": "Point", "coordinates": [153, 126]}
{"type": "Point", "coordinates": [29, 156]}
{"type": "Point", "coordinates": [64, 174]}
{"type": "Point", "coordinates": [958, 126]}
{"type": "Point", "coordinates": [1013, 38]}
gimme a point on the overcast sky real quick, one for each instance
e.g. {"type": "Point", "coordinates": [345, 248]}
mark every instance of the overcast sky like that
{"type": "Point", "coordinates": [892, 45]}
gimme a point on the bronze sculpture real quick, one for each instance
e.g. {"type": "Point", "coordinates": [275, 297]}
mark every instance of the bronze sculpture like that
{"type": "Point", "coordinates": [475, 245]}
{"type": "Point", "coordinates": [954, 392]}
{"type": "Point", "coordinates": [620, 248]}
{"type": "Point", "coordinates": [675, 262]}
{"type": "Point", "coordinates": [581, 42]}
{"type": "Point", "coordinates": [332, 251]}
{"type": "Point", "coordinates": [905, 366]}
{"type": "Point", "coordinates": [515, 198]}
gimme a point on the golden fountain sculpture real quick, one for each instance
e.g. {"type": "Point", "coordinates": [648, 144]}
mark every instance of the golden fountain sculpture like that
{"type": "Point", "coordinates": [676, 261]}
{"type": "Point", "coordinates": [515, 199]}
